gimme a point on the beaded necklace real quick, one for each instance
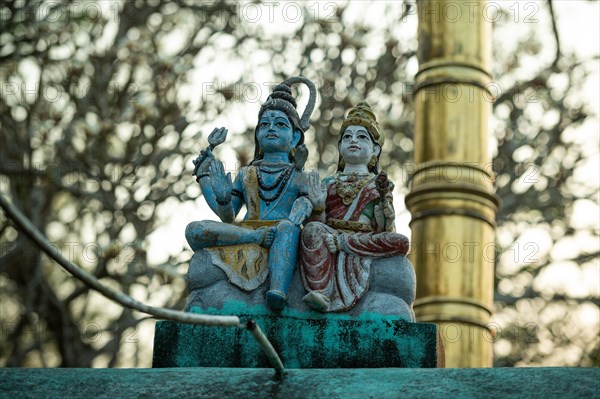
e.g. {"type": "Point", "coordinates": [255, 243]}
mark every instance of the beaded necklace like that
{"type": "Point", "coordinates": [281, 181]}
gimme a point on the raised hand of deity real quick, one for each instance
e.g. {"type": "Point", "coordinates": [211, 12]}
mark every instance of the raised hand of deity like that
{"type": "Point", "coordinates": [216, 137]}
{"type": "Point", "coordinates": [221, 183]}
{"type": "Point", "coordinates": [317, 191]}
{"type": "Point", "coordinates": [202, 164]}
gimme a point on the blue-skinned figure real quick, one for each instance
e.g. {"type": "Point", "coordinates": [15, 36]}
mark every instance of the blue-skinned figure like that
{"type": "Point", "coordinates": [272, 187]}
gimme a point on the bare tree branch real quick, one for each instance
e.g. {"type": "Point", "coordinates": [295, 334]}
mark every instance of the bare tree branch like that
{"type": "Point", "coordinates": [555, 32]}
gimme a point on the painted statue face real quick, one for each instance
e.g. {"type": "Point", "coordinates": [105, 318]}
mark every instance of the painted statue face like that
{"type": "Point", "coordinates": [356, 146]}
{"type": "Point", "coordinates": [276, 133]}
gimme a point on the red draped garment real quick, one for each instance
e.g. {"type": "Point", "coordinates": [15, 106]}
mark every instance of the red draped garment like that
{"type": "Point", "coordinates": [343, 277]}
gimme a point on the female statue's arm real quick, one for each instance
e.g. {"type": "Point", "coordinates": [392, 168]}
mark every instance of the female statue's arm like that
{"type": "Point", "coordinates": [384, 214]}
{"type": "Point", "coordinates": [384, 211]}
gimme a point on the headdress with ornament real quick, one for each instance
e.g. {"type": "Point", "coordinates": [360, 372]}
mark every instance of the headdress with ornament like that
{"type": "Point", "coordinates": [281, 99]}
{"type": "Point", "coordinates": [362, 115]}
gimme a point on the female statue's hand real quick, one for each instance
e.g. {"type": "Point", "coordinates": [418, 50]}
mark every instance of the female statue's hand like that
{"type": "Point", "coordinates": [221, 183]}
{"type": "Point", "coordinates": [384, 215]}
{"type": "Point", "coordinates": [317, 191]}
{"type": "Point", "coordinates": [300, 211]}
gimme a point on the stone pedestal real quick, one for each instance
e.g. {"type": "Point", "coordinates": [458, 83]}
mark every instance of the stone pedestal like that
{"type": "Point", "coordinates": [378, 332]}
{"type": "Point", "coordinates": [392, 287]}
{"type": "Point", "coordinates": [302, 339]}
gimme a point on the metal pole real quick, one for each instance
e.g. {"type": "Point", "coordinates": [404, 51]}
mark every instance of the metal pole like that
{"type": "Point", "coordinates": [451, 200]}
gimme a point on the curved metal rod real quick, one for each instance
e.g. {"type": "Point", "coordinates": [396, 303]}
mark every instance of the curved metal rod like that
{"type": "Point", "coordinates": [25, 225]}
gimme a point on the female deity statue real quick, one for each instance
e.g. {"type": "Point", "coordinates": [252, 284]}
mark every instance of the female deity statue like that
{"type": "Point", "coordinates": [353, 219]}
{"type": "Point", "coordinates": [272, 187]}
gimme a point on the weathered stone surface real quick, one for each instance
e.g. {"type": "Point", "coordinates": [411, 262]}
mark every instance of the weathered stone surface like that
{"type": "Point", "coordinates": [533, 383]}
{"type": "Point", "coordinates": [391, 291]}
{"type": "Point", "coordinates": [372, 334]}
{"type": "Point", "coordinates": [303, 340]}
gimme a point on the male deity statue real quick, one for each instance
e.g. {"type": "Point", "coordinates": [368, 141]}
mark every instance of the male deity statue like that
{"type": "Point", "coordinates": [272, 187]}
{"type": "Point", "coordinates": [353, 219]}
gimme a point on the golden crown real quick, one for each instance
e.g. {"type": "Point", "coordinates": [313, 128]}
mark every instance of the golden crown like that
{"type": "Point", "coordinates": [362, 115]}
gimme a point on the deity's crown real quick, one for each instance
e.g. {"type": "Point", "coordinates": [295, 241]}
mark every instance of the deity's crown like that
{"type": "Point", "coordinates": [281, 99]}
{"type": "Point", "coordinates": [362, 115]}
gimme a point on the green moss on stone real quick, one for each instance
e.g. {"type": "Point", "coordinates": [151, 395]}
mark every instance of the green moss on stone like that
{"type": "Point", "coordinates": [303, 340]}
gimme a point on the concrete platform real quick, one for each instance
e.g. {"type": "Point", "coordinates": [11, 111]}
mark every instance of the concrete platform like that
{"type": "Point", "coordinates": [543, 383]}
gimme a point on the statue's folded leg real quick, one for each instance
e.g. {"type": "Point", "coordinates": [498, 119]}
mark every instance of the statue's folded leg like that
{"type": "Point", "coordinates": [208, 233]}
{"type": "Point", "coordinates": [282, 261]}
{"type": "Point", "coordinates": [375, 245]}
{"type": "Point", "coordinates": [317, 265]}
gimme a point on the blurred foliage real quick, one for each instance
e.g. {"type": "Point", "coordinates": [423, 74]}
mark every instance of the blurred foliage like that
{"type": "Point", "coordinates": [104, 104]}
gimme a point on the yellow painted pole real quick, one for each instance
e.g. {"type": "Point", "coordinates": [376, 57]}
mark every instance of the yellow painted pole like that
{"type": "Point", "coordinates": [451, 200]}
